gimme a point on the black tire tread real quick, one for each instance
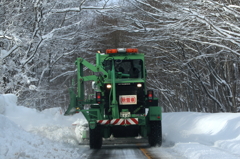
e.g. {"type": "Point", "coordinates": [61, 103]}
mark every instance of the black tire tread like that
{"type": "Point", "coordinates": [155, 136]}
{"type": "Point", "coordinates": [95, 138]}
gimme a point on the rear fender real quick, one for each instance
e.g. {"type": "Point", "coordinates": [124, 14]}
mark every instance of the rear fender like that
{"type": "Point", "coordinates": [155, 113]}
{"type": "Point", "coordinates": [92, 124]}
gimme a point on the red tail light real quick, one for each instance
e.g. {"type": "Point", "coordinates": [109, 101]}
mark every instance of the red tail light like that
{"type": "Point", "coordinates": [98, 97]}
{"type": "Point", "coordinates": [150, 95]}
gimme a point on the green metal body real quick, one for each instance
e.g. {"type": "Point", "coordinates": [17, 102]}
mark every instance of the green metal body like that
{"type": "Point", "coordinates": [110, 108]}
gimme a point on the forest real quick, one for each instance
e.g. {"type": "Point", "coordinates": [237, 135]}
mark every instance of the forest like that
{"type": "Point", "coordinates": [192, 48]}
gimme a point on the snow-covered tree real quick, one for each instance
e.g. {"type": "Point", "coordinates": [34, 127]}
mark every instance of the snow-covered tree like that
{"type": "Point", "coordinates": [192, 48]}
{"type": "Point", "coordinates": [43, 38]}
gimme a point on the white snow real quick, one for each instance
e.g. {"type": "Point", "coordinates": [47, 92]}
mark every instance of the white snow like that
{"type": "Point", "coordinates": [32, 87]}
{"type": "Point", "coordinates": [203, 135]}
{"type": "Point", "coordinates": [27, 133]}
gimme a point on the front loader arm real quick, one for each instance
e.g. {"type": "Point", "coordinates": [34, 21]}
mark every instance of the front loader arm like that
{"type": "Point", "coordinates": [77, 101]}
{"type": "Point", "coordinates": [81, 78]}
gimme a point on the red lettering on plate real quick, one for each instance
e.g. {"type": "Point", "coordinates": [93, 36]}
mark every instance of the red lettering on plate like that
{"type": "Point", "coordinates": [123, 100]}
{"type": "Point", "coordinates": [128, 99]}
{"type": "Point", "coordinates": [133, 99]}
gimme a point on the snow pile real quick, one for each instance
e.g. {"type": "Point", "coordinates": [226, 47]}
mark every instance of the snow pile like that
{"type": "Point", "coordinates": [203, 135]}
{"type": "Point", "coordinates": [27, 133]}
{"type": "Point", "coordinates": [17, 143]}
{"type": "Point", "coordinates": [195, 127]}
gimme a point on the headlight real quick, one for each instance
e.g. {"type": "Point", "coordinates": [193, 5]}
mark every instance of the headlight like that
{"type": "Point", "coordinates": [109, 86]}
{"type": "Point", "coordinates": [139, 85]}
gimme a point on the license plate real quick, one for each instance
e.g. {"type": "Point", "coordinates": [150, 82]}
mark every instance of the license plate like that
{"type": "Point", "coordinates": [127, 99]}
{"type": "Point", "coordinates": [125, 114]}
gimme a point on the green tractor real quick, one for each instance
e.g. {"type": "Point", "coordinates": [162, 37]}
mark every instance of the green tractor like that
{"type": "Point", "coordinates": [121, 105]}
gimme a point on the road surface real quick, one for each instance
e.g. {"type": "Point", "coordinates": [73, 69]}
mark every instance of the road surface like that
{"type": "Point", "coordinates": [121, 149]}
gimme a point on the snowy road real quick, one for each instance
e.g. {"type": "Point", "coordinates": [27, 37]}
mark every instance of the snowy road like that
{"type": "Point", "coordinates": [27, 133]}
{"type": "Point", "coordinates": [167, 151]}
{"type": "Point", "coordinates": [117, 148]}
{"type": "Point", "coordinates": [113, 151]}
{"type": "Point", "coordinates": [133, 151]}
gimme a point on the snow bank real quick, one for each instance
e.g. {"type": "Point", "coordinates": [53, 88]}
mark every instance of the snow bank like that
{"type": "Point", "coordinates": [49, 123]}
{"type": "Point", "coordinates": [17, 143]}
{"type": "Point", "coordinates": [28, 133]}
{"type": "Point", "coordinates": [204, 128]}
{"type": "Point", "coordinates": [203, 135]}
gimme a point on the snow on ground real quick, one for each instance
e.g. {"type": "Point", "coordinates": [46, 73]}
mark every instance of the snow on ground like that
{"type": "Point", "coordinates": [27, 133]}
{"type": "Point", "coordinates": [202, 135]}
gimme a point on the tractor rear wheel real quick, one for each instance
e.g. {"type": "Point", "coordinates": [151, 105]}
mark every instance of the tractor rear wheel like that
{"type": "Point", "coordinates": [155, 136]}
{"type": "Point", "coordinates": [95, 138]}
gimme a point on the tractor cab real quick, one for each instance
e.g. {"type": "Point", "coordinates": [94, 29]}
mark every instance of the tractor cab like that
{"type": "Point", "coordinates": [125, 68]}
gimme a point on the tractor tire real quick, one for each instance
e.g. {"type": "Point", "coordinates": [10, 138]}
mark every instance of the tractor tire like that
{"type": "Point", "coordinates": [95, 138]}
{"type": "Point", "coordinates": [155, 135]}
